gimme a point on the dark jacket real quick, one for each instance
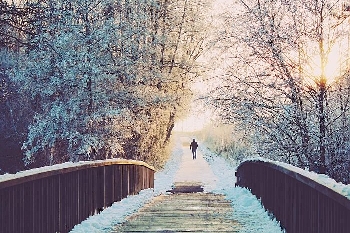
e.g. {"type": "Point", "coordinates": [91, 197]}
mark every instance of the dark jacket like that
{"type": "Point", "coordinates": [194, 145]}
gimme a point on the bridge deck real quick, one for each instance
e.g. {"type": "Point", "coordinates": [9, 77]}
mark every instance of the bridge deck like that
{"type": "Point", "coordinates": [201, 198]}
{"type": "Point", "coordinates": [185, 209]}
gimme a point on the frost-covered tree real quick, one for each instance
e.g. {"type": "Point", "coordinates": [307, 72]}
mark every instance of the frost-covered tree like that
{"type": "Point", "coordinates": [105, 79]}
{"type": "Point", "coordinates": [16, 112]}
{"type": "Point", "coordinates": [279, 85]}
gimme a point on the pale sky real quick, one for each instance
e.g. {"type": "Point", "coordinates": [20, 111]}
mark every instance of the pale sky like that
{"type": "Point", "coordinates": [201, 116]}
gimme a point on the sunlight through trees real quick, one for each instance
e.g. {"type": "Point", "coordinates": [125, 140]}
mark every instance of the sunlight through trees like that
{"type": "Point", "coordinates": [86, 80]}
{"type": "Point", "coordinates": [287, 82]}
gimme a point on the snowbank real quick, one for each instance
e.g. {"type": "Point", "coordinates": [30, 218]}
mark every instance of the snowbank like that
{"type": "Point", "coordinates": [248, 210]}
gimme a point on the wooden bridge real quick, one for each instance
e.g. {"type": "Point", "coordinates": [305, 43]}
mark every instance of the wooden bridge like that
{"type": "Point", "coordinates": [58, 199]}
{"type": "Point", "coordinates": [298, 202]}
{"type": "Point", "coordinates": [188, 209]}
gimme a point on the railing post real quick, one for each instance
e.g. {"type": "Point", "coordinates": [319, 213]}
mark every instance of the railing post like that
{"type": "Point", "coordinates": [56, 200]}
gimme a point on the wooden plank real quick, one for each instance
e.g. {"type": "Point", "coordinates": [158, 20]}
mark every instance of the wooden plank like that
{"type": "Point", "coordinates": [183, 212]}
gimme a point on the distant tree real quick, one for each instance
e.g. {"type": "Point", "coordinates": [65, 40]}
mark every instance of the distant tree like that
{"type": "Point", "coordinates": [16, 112]}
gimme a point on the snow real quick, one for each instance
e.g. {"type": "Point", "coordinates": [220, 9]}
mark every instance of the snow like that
{"type": "Point", "coordinates": [214, 172]}
{"type": "Point", "coordinates": [319, 178]}
{"type": "Point", "coordinates": [34, 171]}
{"type": "Point", "coordinates": [248, 210]}
{"type": "Point", "coordinates": [117, 213]}
{"type": "Point", "coordinates": [209, 169]}
{"type": "Point", "coordinates": [193, 170]}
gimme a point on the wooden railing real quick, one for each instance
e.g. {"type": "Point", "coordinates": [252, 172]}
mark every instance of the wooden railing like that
{"type": "Point", "coordinates": [57, 200]}
{"type": "Point", "coordinates": [299, 203]}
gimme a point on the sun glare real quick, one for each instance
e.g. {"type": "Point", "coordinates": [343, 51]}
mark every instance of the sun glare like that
{"type": "Point", "coordinates": [334, 67]}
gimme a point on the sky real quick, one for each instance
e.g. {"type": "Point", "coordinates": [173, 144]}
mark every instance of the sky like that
{"type": "Point", "coordinates": [192, 123]}
{"type": "Point", "coordinates": [200, 114]}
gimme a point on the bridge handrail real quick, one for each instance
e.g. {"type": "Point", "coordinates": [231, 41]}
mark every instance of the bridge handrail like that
{"type": "Point", "coordinates": [56, 198]}
{"type": "Point", "coordinates": [8, 180]}
{"type": "Point", "coordinates": [290, 194]}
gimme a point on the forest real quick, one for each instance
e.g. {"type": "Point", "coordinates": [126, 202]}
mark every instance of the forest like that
{"type": "Point", "coordinates": [90, 79]}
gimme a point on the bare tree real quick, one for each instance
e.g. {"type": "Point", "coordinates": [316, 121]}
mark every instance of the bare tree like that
{"type": "Point", "coordinates": [279, 85]}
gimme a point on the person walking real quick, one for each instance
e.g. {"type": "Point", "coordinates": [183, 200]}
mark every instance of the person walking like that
{"type": "Point", "coordinates": [193, 147]}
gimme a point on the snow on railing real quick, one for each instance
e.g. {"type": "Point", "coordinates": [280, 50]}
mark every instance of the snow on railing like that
{"type": "Point", "coordinates": [319, 178]}
{"type": "Point", "coordinates": [67, 165]}
{"type": "Point", "coordinates": [302, 201]}
{"type": "Point", "coordinates": [56, 198]}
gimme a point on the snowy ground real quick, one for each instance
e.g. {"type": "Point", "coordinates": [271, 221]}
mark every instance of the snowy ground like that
{"type": "Point", "coordinates": [208, 169]}
{"type": "Point", "coordinates": [247, 208]}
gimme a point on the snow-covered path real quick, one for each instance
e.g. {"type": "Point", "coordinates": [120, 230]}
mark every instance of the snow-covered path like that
{"type": "Point", "coordinates": [208, 169]}
{"type": "Point", "coordinates": [194, 170]}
